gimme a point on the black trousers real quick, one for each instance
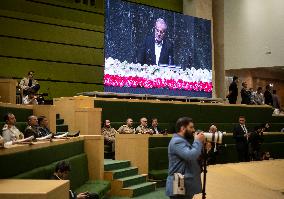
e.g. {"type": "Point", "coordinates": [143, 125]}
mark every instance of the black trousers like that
{"type": "Point", "coordinates": [232, 100]}
{"type": "Point", "coordinates": [181, 197]}
{"type": "Point", "coordinates": [242, 149]}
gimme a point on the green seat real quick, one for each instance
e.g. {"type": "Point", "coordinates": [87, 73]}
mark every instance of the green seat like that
{"type": "Point", "coordinates": [100, 187]}
{"type": "Point", "coordinates": [161, 174]}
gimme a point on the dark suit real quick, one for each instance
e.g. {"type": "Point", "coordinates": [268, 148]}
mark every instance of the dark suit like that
{"type": "Point", "coordinates": [159, 130]}
{"type": "Point", "coordinates": [241, 143]}
{"type": "Point", "coordinates": [234, 93]}
{"type": "Point", "coordinates": [146, 54]}
{"type": "Point", "coordinates": [245, 96]}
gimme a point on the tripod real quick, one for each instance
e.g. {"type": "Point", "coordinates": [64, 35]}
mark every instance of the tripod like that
{"type": "Point", "coordinates": [204, 168]}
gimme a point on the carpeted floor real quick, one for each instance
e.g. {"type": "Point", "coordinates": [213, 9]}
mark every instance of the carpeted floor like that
{"type": "Point", "coordinates": [158, 194]}
{"type": "Point", "coordinates": [253, 180]}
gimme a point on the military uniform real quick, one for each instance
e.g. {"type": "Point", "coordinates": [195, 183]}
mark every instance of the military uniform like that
{"type": "Point", "coordinates": [11, 134]}
{"type": "Point", "coordinates": [109, 133]}
{"type": "Point", "coordinates": [124, 129]}
{"type": "Point", "coordinates": [143, 130]}
{"type": "Point", "coordinates": [109, 136]}
{"type": "Point", "coordinates": [33, 131]}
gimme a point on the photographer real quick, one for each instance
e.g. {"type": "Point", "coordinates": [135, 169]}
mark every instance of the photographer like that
{"type": "Point", "coordinates": [212, 147]}
{"type": "Point", "coordinates": [183, 159]}
{"type": "Point", "coordinates": [255, 140]}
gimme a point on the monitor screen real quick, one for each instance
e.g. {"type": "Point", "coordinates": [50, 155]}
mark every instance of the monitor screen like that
{"type": "Point", "coordinates": [156, 51]}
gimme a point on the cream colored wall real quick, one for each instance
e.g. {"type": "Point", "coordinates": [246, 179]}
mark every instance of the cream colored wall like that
{"type": "Point", "coordinates": [252, 29]}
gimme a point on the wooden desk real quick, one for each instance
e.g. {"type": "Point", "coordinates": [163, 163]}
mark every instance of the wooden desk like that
{"type": "Point", "coordinates": [34, 189]}
{"type": "Point", "coordinates": [79, 114]}
{"type": "Point", "coordinates": [134, 147]}
{"type": "Point", "coordinates": [8, 90]}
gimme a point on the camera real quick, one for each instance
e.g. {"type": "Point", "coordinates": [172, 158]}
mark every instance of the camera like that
{"type": "Point", "coordinates": [216, 137]}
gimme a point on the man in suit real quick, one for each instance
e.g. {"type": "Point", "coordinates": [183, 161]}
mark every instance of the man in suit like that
{"type": "Point", "coordinates": [246, 94]}
{"type": "Point", "coordinates": [156, 49]}
{"type": "Point", "coordinates": [183, 158]}
{"type": "Point", "coordinates": [155, 128]}
{"type": "Point", "coordinates": [241, 135]}
{"type": "Point", "coordinates": [233, 91]}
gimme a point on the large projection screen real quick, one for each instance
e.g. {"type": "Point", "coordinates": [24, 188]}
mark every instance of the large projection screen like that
{"type": "Point", "coordinates": [156, 51]}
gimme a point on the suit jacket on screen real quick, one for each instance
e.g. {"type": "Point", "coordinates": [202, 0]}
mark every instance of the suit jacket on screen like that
{"type": "Point", "coordinates": [146, 54]}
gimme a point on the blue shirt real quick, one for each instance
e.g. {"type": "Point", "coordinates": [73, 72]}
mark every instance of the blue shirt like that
{"type": "Point", "coordinates": [183, 158]}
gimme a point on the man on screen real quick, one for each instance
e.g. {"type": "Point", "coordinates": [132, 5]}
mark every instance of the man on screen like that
{"type": "Point", "coordinates": [156, 49]}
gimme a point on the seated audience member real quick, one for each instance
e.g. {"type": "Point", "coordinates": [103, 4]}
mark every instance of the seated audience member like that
{"type": "Point", "coordinates": [275, 100]}
{"type": "Point", "coordinates": [155, 128]}
{"type": "Point", "coordinates": [10, 132]}
{"type": "Point", "coordinates": [245, 94]}
{"type": "Point", "coordinates": [142, 128]}
{"type": "Point", "coordinates": [30, 98]}
{"type": "Point", "coordinates": [255, 140]}
{"type": "Point", "coordinates": [33, 128]}
{"type": "Point", "coordinates": [127, 128]}
{"type": "Point", "coordinates": [268, 96]}
{"type": "Point", "coordinates": [43, 126]}
{"type": "Point", "coordinates": [258, 97]}
{"type": "Point", "coordinates": [109, 134]}
{"type": "Point", "coordinates": [62, 170]}
{"type": "Point", "coordinates": [29, 83]}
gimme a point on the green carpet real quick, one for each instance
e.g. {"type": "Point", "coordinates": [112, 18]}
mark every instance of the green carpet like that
{"type": "Point", "coordinates": [158, 194]}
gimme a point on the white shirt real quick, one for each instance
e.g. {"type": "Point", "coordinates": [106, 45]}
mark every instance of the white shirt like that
{"type": "Point", "coordinates": [158, 49]}
{"type": "Point", "coordinates": [27, 100]}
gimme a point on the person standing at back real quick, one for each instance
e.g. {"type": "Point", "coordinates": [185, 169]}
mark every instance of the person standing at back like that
{"type": "Point", "coordinates": [183, 159]}
{"type": "Point", "coordinates": [233, 91]}
{"type": "Point", "coordinates": [268, 96]}
{"type": "Point", "coordinates": [245, 93]}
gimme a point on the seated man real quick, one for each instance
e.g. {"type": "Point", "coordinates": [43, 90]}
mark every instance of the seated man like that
{"type": "Point", "coordinates": [127, 128]}
{"type": "Point", "coordinates": [10, 132]}
{"type": "Point", "coordinates": [43, 126]}
{"type": "Point", "coordinates": [142, 128]}
{"type": "Point", "coordinates": [30, 98]}
{"type": "Point", "coordinates": [155, 128]}
{"type": "Point", "coordinates": [33, 128]}
{"type": "Point", "coordinates": [61, 172]}
{"type": "Point", "coordinates": [29, 83]}
{"type": "Point", "coordinates": [109, 134]}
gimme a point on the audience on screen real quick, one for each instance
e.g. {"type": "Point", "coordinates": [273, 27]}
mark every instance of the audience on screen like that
{"type": "Point", "coordinates": [127, 128]}
{"type": "Point", "coordinates": [109, 134]}
{"type": "Point", "coordinates": [9, 131]}
{"type": "Point", "coordinates": [143, 128]}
